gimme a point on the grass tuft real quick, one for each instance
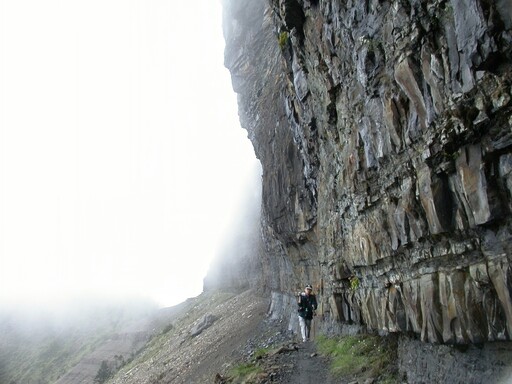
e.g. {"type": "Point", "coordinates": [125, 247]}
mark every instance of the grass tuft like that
{"type": "Point", "coordinates": [244, 372]}
{"type": "Point", "coordinates": [283, 39]}
{"type": "Point", "coordinates": [367, 355]}
{"type": "Point", "coordinates": [260, 353]}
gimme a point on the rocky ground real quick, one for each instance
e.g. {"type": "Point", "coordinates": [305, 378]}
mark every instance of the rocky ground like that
{"type": "Point", "coordinates": [294, 363]}
{"type": "Point", "coordinates": [206, 339]}
{"type": "Point", "coordinates": [218, 332]}
{"type": "Point", "coordinates": [281, 357]}
{"type": "Point", "coordinates": [226, 337]}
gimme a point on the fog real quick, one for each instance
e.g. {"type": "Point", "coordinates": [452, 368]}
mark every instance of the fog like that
{"type": "Point", "coordinates": [84, 313]}
{"type": "Point", "coordinates": [237, 264]}
{"type": "Point", "coordinates": [122, 160]}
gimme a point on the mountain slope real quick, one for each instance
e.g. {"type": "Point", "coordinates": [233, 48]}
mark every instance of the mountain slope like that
{"type": "Point", "coordinates": [49, 346]}
{"type": "Point", "coordinates": [203, 340]}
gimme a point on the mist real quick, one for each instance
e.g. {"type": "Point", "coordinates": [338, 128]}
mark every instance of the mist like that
{"type": "Point", "coordinates": [236, 264]}
{"type": "Point", "coordinates": [123, 162]}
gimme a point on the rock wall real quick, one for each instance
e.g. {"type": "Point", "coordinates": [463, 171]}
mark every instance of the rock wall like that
{"type": "Point", "coordinates": [384, 130]}
{"type": "Point", "coordinates": [468, 364]}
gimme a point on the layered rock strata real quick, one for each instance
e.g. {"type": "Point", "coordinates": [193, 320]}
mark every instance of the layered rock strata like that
{"type": "Point", "coordinates": [384, 129]}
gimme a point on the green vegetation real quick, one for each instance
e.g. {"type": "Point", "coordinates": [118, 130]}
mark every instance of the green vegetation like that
{"type": "Point", "coordinates": [370, 355]}
{"type": "Point", "coordinates": [260, 353]}
{"type": "Point", "coordinates": [283, 39]}
{"type": "Point", "coordinates": [354, 283]}
{"type": "Point", "coordinates": [42, 347]}
{"type": "Point", "coordinates": [244, 372]}
{"type": "Point", "coordinates": [248, 372]}
{"type": "Point", "coordinates": [44, 358]}
{"type": "Point", "coordinates": [104, 373]}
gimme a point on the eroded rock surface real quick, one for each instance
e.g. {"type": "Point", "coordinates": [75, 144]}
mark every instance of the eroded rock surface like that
{"type": "Point", "coordinates": [384, 129]}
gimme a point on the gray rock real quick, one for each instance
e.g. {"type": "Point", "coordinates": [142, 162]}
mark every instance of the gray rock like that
{"type": "Point", "coordinates": [384, 133]}
{"type": "Point", "coordinates": [200, 325]}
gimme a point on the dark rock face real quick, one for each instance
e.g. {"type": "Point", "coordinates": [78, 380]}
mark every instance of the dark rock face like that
{"type": "Point", "coordinates": [384, 129]}
{"type": "Point", "coordinates": [428, 363]}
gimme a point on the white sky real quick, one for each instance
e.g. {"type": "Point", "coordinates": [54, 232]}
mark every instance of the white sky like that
{"type": "Point", "coordinates": [121, 155]}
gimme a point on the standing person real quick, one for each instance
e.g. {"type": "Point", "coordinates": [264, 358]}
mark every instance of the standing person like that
{"type": "Point", "coordinates": [307, 307]}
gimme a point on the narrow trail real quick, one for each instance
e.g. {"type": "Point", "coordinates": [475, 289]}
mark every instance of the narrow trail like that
{"type": "Point", "coordinates": [303, 364]}
{"type": "Point", "coordinates": [309, 367]}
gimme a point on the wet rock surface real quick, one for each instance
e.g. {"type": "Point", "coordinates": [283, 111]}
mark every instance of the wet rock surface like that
{"type": "Point", "coordinates": [384, 133]}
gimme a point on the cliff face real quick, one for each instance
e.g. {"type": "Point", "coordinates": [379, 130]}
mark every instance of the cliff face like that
{"type": "Point", "coordinates": [384, 130]}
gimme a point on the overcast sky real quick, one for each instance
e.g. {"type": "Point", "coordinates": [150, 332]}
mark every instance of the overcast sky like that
{"type": "Point", "coordinates": [122, 159]}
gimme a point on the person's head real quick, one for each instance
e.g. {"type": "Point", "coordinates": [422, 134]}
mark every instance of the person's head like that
{"type": "Point", "coordinates": [308, 289]}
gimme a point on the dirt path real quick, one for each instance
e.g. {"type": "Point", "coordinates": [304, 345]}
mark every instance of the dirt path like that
{"type": "Point", "coordinates": [289, 360]}
{"type": "Point", "coordinates": [239, 329]}
{"type": "Point", "coordinates": [309, 367]}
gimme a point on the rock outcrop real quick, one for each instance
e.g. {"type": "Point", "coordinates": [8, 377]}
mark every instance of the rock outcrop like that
{"type": "Point", "coordinates": [384, 130]}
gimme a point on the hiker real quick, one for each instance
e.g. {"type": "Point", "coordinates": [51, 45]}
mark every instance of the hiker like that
{"type": "Point", "coordinates": [307, 307]}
